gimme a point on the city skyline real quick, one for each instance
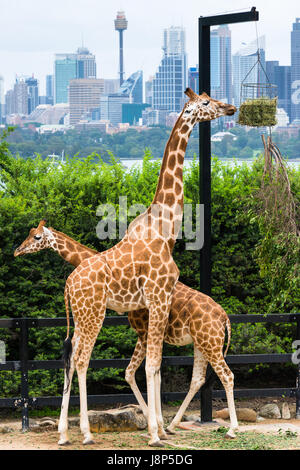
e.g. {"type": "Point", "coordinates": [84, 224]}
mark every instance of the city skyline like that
{"type": "Point", "coordinates": [32, 54]}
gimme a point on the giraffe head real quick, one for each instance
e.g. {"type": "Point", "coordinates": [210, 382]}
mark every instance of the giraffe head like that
{"type": "Point", "coordinates": [38, 239]}
{"type": "Point", "coordinates": [202, 107]}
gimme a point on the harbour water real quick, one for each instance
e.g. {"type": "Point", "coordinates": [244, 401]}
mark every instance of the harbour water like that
{"type": "Point", "coordinates": [130, 162]}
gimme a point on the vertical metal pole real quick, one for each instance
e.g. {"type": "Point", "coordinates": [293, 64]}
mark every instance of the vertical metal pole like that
{"type": "Point", "coordinates": [205, 161]}
{"type": "Point", "coordinates": [298, 373]}
{"type": "Point", "coordinates": [24, 372]}
{"type": "Point", "coordinates": [205, 200]}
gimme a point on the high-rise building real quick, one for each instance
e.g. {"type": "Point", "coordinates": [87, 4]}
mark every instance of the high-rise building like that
{"type": "Point", "coordinates": [33, 93]}
{"type": "Point", "coordinates": [121, 25]}
{"type": "Point", "coordinates": [65, 70]}
{"type": "Point", "coordinates": [245, 67]}
{"type": "Point", "coordinates": [282, 79]}
{"type": "Point", "coordinates": [270, 70]}
{"type": "Point", "coordinates": [193, 79]}
{"type": "Point", "coordinates": [67, 67]}
{"type": "Point", "coordinates": [9, 102]}
{"type": "Point", "coordinates": [49, 89]}
{"type": "Point", "coordinates": [221, 70]}
{"type": "Point", "coordinates": [133, 87]}
{"type": "Point", "coordinates": [149, 91]}
{"type": "Point", "coordinates": [295, 70]}
{"type": "Point", "coordinates": [170, 79]}
{"type": "Point", "coordinates": [84, 98]}
{"type": "Point", "coordinates": [111, 85]}
{"type": "Point", "coordinates": [111, 107]}
{"type": "Point", "coordinates": [86, 63]}
{"type": "Point", "coordinates": [20, 96]}
{"type": "Point", "coordinates": [132, 112]}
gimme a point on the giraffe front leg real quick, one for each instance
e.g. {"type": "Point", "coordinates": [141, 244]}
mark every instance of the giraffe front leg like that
{"type": "Point", "coordinates": [160, 422]}
{"type": "Point", "coordinates": [157, 321]}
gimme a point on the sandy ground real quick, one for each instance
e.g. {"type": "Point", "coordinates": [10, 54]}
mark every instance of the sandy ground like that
{"type": "Point", "coordinates": [12, 438]}
{"type": "Point", "coordinates": [47, 439]}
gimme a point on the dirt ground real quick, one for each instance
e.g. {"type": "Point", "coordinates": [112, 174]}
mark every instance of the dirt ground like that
{"type": "Point", "coordinates": [267, 434]}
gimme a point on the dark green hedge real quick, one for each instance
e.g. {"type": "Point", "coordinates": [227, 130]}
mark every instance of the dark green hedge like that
{"type": "Point", "coordinates": [32, 286]}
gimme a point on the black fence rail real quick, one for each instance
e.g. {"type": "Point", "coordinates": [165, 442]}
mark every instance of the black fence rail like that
{"type": "Point", "coordinates": [206, 394]}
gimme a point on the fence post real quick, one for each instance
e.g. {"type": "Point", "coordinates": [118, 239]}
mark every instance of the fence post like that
{"type": "Point", "coordinates": [298, 373]}
{"type": "Point", "coordinates": [206, 396]}
{"type": "Point", "coordinates": [24, 372]}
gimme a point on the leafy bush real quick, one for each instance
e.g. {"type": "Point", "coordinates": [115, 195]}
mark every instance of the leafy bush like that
{"type": "Point", "coordinates": [68, 196]}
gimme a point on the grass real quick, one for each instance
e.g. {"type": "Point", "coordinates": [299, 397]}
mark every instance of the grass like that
{"type": "Point", "coordinates": [215, 439]}
{"type": "Point", "coordinates": [184, 440]}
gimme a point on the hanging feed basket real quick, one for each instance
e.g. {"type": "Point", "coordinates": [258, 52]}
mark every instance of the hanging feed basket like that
{"type": "Point", "coordinates": [258, 112]}
{"type": "Point", "coordinates": [258, 100]}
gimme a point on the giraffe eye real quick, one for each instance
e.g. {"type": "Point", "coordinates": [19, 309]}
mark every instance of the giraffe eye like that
{"type": "Point", "coordinates": [205, 103]}
{"type": "Point", "coordinates": [188, 111]}
{"type": "Point", "coordinates": [37, 237]}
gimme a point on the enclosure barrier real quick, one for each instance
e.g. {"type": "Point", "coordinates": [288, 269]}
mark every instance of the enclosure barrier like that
{"type": "Point", "coordinates": [206, 393]}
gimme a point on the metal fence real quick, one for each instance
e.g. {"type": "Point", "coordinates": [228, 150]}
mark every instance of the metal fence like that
{"type": "Point", "coordinates": [24, 365]}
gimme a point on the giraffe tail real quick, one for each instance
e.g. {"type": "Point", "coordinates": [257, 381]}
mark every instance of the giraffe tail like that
{"type": "Point", "coordinates": [67, 347]}
{"type": "Point", "coordinates": [228, 327]}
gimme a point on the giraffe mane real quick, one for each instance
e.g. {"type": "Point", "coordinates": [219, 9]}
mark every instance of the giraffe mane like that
{"type": "Point", "coordinates": [164, 161]}
{"type": "Point", "coordinates": [72, 240]}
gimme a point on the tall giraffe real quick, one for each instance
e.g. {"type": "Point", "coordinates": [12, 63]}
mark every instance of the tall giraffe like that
{"type": "Point", "coordinates": [139, 272]}
{"type": "Point", "coordinates": [194, 318]}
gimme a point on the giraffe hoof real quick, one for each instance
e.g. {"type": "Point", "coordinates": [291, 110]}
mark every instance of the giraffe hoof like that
{"type": "Point", "coordinates": [156, 444]}
{"type": "Point", "coordinates": [64, 443]}
{"type": "Point", "coordinates": [170, 431]}
{"type": "Point", "coordinates": [164, 436]}
{"type": "Point", "coordinates": [230, 434]}
{"type": "Point", "coordinates": [88, 442]}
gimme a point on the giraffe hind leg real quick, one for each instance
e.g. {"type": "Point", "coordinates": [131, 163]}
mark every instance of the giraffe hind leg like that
{"type": "Point", "coordinates": [198, 379]}
{"type": "Point", "coordinates": [227, 379]}
{"type": "Point", "coordinates": [137, 358]}
{"type": "Point", "coordinates": [68, 374]}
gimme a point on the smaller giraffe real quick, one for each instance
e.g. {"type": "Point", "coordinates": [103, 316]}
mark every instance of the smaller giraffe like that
{"type": "Point", "coordinates": [194, 318]}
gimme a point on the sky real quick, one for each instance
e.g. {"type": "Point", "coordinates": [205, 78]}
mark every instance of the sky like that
{"type": "Point", "coordinates": [32, 31]}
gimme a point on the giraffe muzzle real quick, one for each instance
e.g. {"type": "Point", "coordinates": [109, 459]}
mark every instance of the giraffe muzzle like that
{"type": "Point", "coordinates": [230, 110]}
{"type": "Point", "coordinates": [18, 252]}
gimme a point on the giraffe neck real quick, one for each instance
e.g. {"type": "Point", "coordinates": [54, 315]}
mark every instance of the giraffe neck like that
{"type": "Point", "coordinates": [70, 250]}
{"type": "Point", "coordinates": [169, 191]}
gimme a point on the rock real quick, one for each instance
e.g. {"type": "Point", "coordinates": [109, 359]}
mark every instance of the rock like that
{"type": "Point", "coordinates": [223, 414]}
{"type": "Point", "coordinates": [285, 411]}
{"type": "Point", "coordinates": [5, 429]}
{"type": "Point", "coordinates": [270, 411]}
{"type": "Point", "coordinates": [120, 420]}
{"type": "Point", "coordinates": [47, 422]}
{"type": "Point", "coordinates": [193, 417]}
{"type": "Point", "coordinates": [246, 414]}
{"type": "Point", "coordinates": [259, 419]}
{"type": "Point", "coordinates": [184, 418]}
{"type": "Point", "coordinates": [33, 423]}
{"type": "Point", "coordinates": [74, 421]}
{"type": "Point", "coordinates": [243, 414]}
